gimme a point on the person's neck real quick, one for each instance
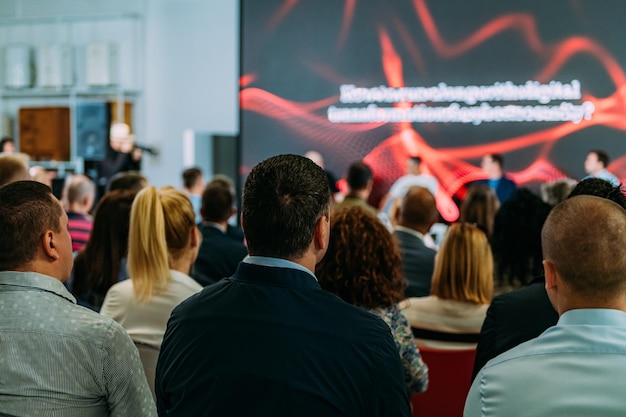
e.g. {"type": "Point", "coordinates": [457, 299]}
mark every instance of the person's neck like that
{"type": "Point", "coordinates": [361, 194]}
{"type": "Point", "coordinates": [77, 208]}
{"type": "Point", "coordinates": [182, 264]}
{"type": "Point", "coordinates": [418, 228]}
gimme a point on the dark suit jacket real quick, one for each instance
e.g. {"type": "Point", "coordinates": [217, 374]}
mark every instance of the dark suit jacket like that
{"type": "Point", "coordinates": [506, 188]}
{"type": "Point", "coordinates": [514, 318]}
{"type": "Point", "coordinates": [270, 342]}
{"type": "Point", "coordinates": [418, 261]}
{"type": "Point", "coordinates": [218, 256]}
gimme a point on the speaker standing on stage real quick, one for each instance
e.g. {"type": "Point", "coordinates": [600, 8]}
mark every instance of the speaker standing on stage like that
{"type": "Point", "coordinates": [122, 154]}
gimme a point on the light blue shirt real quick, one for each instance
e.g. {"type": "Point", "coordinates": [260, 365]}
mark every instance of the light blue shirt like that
{"type": "Point", "coordinates": [276, 263]}
{"type": "Point", "coordinates": [605, 175]}
{"type": "Point", "coordinates": [61, 359]}
{"type": "Point", "coordinates": [573, 369]}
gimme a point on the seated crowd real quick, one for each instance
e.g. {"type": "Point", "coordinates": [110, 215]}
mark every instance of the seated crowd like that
{"type": "Point", "coordinates": [154, 301]}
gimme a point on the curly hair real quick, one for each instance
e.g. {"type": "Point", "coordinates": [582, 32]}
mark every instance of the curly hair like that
{"type": "Point", "coordinates": [362, 265]}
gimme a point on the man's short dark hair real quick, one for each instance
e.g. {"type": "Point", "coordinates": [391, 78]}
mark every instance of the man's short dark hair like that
{"type": "Point", "coordinates": [127, 180]}
{"type": "Point", "coordinates": [416, 159]}
{"type": "Point", "coordinates": [191, 176]}
{"type": "Point", "coordinates": [497, 158]}
{"type": "Point", "coordinates": [283, 198]}
{"type": "Point", "coordinates": [217, 203]}
{"type": "Point", "coordinates": [27, 210]}
{"type": "Point", "coordinates": [602, 156]}
{"type": "Point", "coordinates": [4, 141]}
{"type": "Point", "coordinates": [359, 174]}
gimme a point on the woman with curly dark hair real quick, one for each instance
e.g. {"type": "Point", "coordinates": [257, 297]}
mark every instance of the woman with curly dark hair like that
{"type": "Point", "coordinates": [363, 267]}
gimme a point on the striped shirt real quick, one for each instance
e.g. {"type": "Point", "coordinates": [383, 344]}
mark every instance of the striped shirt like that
{"type": "Point", "coordinates": [79, 226]}
{"type": "Point", "coordinates": [60, 359]}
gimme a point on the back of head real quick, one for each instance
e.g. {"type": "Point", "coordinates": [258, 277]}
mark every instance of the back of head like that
{"type": "Point", "coordinates": [554, 192]}
{"type": "Point", "coordinates": [97, 266]}
{"type": "Point", "coordinates": [516, 239]}
{"type": "Point", "coordinates": [464, 266]}
{"type": "Point", "coordinates": [27, 210]}
{"type": "Point", "coordinates": [584, 237]}
{"type": "Point", "coordinates": [362, 265]}
{"type": "Point", "coordinates": [418, 209]}
{"type": "Point", "coordinates": [81, 187]}
{"type": "Point", "coordinates": [217, 203]}
{"type": "Point", "coordinates": [480, 206]}
{"type": "Point", "coordinates": [127, 180]}
{"type": "Point", "coordinates": [13, 168]}
{"type": "Point", "coordinates": [283, 198]}
{"type": "Point", "coordinates": [191, 176]}
{"type": "Point", "coordinates": [359, 176]}
{"type": "Point", "coordinates": [161, 223]}
{"type": "Point", "coordinates": [600, 188]}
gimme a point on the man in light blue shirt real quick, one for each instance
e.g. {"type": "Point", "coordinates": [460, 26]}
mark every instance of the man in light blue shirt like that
{"type": "Point", "coordinates": [575, 368]}
{"type": "Point", "coordinates": [56, 358]}
{"type": "Point", "coordinates": [595, 166]}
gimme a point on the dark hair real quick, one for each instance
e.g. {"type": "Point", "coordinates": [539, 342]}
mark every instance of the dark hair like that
{"type": "Point", "coordinates": [516, 239]}
{"type": "Point", "coordinates": [418, 208]}
{"type": "Point", "coordinates": [480, 206]}
{"type": "Point", "coordinates": [4, 141]}
{"type": "Point", "coordinates": [416, 159]}
{"type": "Point", "coordinates": [127, 180]}
{"type": "Point", "coordinates": [283, 198]}
{"type": "Point", "coordinates": [217, 203]}
{"type": "Point", "coordinates": [362, 265]}
{"type": "Point", "coordinates": [498, 158]}
{"type": "Point", "coordinates": [602, 156]}
{"type": "Point", "coordinates": [600, 188]}
{"type": "Point", "coordinates": [191, 176]}
{"type": "Point", "coordinates": [97, 266]}
{"type": "Point", "coordinates": [359, 174]}
{"type": "Point", "coordinates": [27, 210]}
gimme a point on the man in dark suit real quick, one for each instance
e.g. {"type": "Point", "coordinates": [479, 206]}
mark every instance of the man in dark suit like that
{"type": "Point", "coordinates": [219, 253]}
{"type": "Point", "coordinates": [415, 217]}
{"type": "Point", "coordinates": [493, 164]}
{"type": "Point", "coordinates": [269, 341]}
{"type": "Point", "coordinates": [521, 315]}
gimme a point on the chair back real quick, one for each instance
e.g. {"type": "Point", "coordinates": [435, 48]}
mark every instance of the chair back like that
{"type": "Point", "coordinates": [449, 381]}
{"type": "Point", "coordinates": [149, 356]}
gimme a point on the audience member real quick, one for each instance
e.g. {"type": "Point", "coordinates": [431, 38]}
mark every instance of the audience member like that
{"type": "Point", "coordinates": [163, 243]}
{"type": "Point", "coordinates": [81, 193]}
{"type": "Point", "coordinates": [57, 358]}
{"type": "Point", "coordinates": [553, 193]}
{"type": "Point", "coordinates": [7, 146]}
{"type": "Point", "coordinates": [414, 176]}
{"type": "Point", "coordinates": [493, 165]}
{"type": "Point", "coordinates": [516, 241]}
{"type": "Point", "coordinates": [521, 315]}
{"type": "Point", "coordinates": [13, 168]}
{"type": "Point", "coordinates": [360, 181]}
{"type": "Point", "coordinates": [232, 230]}
{"type": "Point", "coordinates": [362, 266]}
{"type": "Point", "coordinates": [127, 180]}
{"type": "Point", "coordinates": [102, 262]}
{"type": "Point", "coordinates": [461, 291]}
{"type": "Point", "coordinates": [193, 184]}
{"type": "Point", "coordinates": [415, 216]}
{"type": "Point", "coordinates": [480, 206]}
{"type": "Point", "coordinates": [219, 253]}
{"type": "Point", "coordinates": [584, 247]}
{"type": "Point", "coordinates": [596, 165]}
{"type": "Point", "coordinates": [305, 352]}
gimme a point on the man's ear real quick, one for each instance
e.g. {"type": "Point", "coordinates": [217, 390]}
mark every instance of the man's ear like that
{"type": "Point", "coordinates": [550, 274]}
{"type": "Point", "coordinates": [321, 235]}
{"type": "Point", "coordinates": [195, 237]}
{"type": "Point", "coordinates": [48, 244]}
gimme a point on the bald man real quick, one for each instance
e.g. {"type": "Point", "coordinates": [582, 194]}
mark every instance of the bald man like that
{"type": "Point", "coordinates": [576, 367]}
{"type": "Point", "coordinates": [415, 217]}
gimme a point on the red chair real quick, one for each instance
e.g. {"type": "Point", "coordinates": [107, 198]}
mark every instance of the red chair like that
{"type": "Point", "coordinates": [449, 381]}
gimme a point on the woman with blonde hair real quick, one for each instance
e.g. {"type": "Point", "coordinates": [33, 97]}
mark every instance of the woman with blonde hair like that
{"type": "Point", "coordinates": [362, 266]}
{"type": "Point", "coordinates": [461, 291]}
{"type": "Point", "coordinates": [163, 244]}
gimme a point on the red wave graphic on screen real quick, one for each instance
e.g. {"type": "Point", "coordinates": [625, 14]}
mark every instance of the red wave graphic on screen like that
{"type": "Point", "coordinates": [388, 157]}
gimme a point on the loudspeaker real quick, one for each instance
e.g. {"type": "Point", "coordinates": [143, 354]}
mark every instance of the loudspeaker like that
{"type": "Point", "coordinates": [92, 130]}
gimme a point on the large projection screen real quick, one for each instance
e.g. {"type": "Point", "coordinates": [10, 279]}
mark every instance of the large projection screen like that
{"type": "Point", "coordinates": [540, 82]}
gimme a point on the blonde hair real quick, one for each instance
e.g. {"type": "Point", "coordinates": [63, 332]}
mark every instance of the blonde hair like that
{"type": "Point", "coordinates": [161, 222]}
{"type": "Point", "coordinates": [464, 266]}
